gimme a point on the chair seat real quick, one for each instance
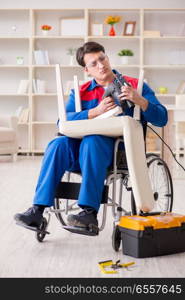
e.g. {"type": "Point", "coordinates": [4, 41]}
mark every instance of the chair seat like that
{"type": "Point", "coordinates": [6, 134]}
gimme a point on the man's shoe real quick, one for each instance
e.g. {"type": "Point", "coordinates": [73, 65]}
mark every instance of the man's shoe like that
{"type": "Point", "coordinates": [31, 217]}
{"type": "Point", "coordinates": [85, 218]}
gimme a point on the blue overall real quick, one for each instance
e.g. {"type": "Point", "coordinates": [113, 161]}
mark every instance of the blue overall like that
{"type": "Point", "coordinates": [69, 154]}
{"type": "Point", "coordinates": [93, 154]}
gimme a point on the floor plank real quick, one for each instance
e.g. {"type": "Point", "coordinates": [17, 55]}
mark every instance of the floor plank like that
{"type": "Point", "coordinates": [63, 254]}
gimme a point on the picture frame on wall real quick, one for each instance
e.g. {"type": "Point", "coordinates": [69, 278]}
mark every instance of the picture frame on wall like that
{"type": "Point", "coordinates": [72, 27]}
{"type": "Point", "coordinates": [129, 28]}
{"type": "Point", "coordinates": [97, 29]}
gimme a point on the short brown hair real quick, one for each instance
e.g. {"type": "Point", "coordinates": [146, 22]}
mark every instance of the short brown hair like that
{"type": "Point", "coordinates": [88, 47]}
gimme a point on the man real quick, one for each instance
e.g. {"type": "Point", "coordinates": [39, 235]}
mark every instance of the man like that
{"type": "Point", "coordinates": [93, 154]}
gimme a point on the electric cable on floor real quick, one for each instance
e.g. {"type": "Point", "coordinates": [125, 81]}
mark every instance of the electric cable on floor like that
{"type": "Point", "coordinates": [166, 146]}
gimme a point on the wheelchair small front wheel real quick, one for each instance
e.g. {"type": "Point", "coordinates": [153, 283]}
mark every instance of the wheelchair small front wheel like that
{"type": "Point", "coordinates": [41, 234]}
{"type": "Point", "coordinates": [65, 207]}
{"type": "Point", "coordinates": [116, 238]}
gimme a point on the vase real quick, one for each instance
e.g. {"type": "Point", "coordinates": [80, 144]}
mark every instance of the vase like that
{"type": "Point", "coordinates": [112, 31]}
{"type": "Point", "coordinates": [124, 60]}
{"type": "Point", "coordinates": [20, 60]}
{"type": "Point", "coordinates": [45, 32]}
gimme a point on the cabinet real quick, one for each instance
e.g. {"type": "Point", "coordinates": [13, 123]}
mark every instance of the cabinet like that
{"type": "Point", "coordinates": [21, 35]}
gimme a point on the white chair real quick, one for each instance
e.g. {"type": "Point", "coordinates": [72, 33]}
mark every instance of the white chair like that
{"type": "Point", "coordinates": [8, 135]}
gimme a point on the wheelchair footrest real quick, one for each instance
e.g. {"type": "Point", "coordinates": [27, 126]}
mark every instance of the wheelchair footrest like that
{"type": "Point", "coordinates": [33, 228]}
{"type": "Point", "coordinates": [91, 230]}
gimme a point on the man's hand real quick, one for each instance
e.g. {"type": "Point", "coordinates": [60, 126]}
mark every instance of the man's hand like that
{"type": "Point", "coordinates": [105, 105]}
{"type": "Point", "coordinates": [129, 93]}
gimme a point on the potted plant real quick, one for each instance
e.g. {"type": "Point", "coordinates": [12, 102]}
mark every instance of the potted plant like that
{"type": "Point", "coordinates": [125, 54]}
{"type": "Point", "coordinates": [71, 52]}
{"type": "Point", "coordinates": [45, 29]}
{"type": "Point", "coordinates": [111, 20]}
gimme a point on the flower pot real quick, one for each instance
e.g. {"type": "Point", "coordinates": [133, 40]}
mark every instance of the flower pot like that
{"type": "Point", "coordinates": [72, 60]}
{"type": "Point", "coordinates": [124, 60]}
{"type": "Point", "coordinates": [112, 31]}
{"type": "Point", "coordinates": [20, 60]}
{"type": "Point", "coordinates": [45, 32]}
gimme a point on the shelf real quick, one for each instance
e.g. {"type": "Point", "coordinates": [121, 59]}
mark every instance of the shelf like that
{"type": "Point", "coordinates": [175, 107]}
{"type": "Point", "coordinates": [22, 123]}
{"type": "Point", "coordinates": [113, 37]}
{"type": "Point", "coordinates": [165, 95]}
{"type": "Point", "coordinates": [38, 151]}
{"type": "Point", "coordinates": [149, 53]}
{"type": "Point", "coordinates": [59, 37]}
{"type": "Point", "coordinates": [23, 151]}
{"type": "Point", "coordinates": [179, 152]}
{"type": "Point", "coordinates": [48, 95]}
{"type": "Point", "coordinates": [14, 66]}
{"type": "Point", "coordinates": [15, 37]}
{"type": "Point", "coordinates": [44, 123]}
{"type": "Point", "coordinates": [125, 66]}
{"type": "Point", "coordinates": [44, 95]}
{"type": "Point", "coordinates": [53, 66]}
{"type": "Point", "coordinates": [164, 37]}
{"type": "Point", "coordinates": [15, 95]}
{"type": "Point", "coordinates": [164, 67]}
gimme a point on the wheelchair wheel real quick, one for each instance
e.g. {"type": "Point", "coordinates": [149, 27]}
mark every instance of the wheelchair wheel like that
{"type": "Point", "coordinates": [66, 208]}
{"type": "Point", "coordinates": [41, 235]}
{"type": "Point", "coordinates": [162, 185]}
{"type": "Point", "coordinates": [150, 156]}
{"type": "Point", "coordinates": [116, 238]}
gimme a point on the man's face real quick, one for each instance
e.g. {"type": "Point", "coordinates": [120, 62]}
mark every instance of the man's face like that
{"type": "Point", "coordinates": [97, 65]}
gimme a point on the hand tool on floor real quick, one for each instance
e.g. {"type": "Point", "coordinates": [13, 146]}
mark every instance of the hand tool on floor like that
{"type": "Point", "coordinates": [109, 263]}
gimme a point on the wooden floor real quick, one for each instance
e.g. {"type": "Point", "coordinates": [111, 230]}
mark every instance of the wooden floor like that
{"type": "Point", "coordinates": [63, 254]}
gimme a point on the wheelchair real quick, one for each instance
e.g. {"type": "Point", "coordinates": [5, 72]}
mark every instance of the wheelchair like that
{"type": "Point", "coordinates": [65, 201]}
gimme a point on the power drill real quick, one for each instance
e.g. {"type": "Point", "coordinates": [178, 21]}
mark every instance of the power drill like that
{"type": "Point", "coordinates": [114, 90]}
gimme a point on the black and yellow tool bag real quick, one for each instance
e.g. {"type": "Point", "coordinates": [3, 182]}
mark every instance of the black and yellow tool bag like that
{"type": "Point", "coordinates": [147, 236]}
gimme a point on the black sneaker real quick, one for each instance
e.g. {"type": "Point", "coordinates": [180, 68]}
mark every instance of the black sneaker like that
{"type": "Point", "coordinates": [85, 218]}
{"type": "Point", "coordinates": [31, 217]}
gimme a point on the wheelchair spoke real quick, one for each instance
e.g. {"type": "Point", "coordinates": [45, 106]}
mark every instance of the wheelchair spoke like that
{"type": "Point", "coordinates": [64, 208]}
{"type": "Point", "coordinates": [161, 184]}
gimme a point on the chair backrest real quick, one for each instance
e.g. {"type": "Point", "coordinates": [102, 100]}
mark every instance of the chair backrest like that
{"type": "Point", "coordinates": [78, 108]}
{"type": "Point", "coordinates": [137, 111]}
{"type": "Point", "coordinates": [78, 105]}
{"type": "Point", "coordinates": [60, 95]}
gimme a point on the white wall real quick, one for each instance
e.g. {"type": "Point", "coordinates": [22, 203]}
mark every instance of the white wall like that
{"type": "Point", "coordinates": [92, 4]}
